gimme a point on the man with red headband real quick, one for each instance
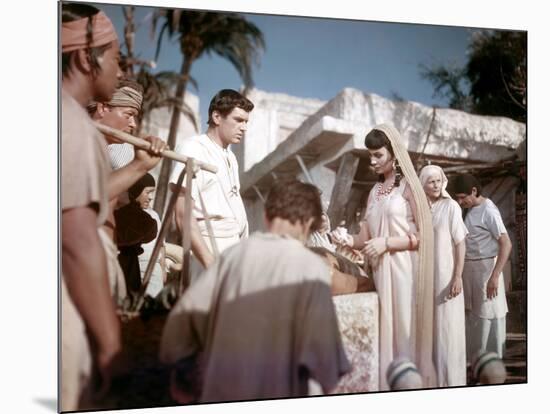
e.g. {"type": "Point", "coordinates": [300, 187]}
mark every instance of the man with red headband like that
{"type": "Point", "coordinates": [90, 331]}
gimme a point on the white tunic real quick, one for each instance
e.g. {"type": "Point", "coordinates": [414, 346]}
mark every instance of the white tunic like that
{"type": "Point", "coordinates": [449, 339]}
{"type": "Point", "coordinates": [394, 277]}
{"type": "Point", "coordinates": [263, 316]}
{"type": "Point", "coordinates": [485, 227]}
{"type": "Point", "coordinates": [220, 191]}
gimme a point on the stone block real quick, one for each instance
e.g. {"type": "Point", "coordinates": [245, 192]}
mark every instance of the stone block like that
{"type": "Point", "coordinates": [358, 321]}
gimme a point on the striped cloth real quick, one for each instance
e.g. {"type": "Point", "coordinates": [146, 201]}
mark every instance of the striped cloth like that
{"type": "Point", "coordinates": [120, 155]}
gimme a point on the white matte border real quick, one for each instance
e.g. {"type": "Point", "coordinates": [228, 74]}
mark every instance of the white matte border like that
{"type": "Point", "coordinates": [29, 305]}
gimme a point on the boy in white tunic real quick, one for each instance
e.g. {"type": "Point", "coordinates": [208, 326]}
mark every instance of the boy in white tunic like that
{"type": "Point", "coordinates": [227, 122]}
{"type": "Point", "coordinates": [487, 250]}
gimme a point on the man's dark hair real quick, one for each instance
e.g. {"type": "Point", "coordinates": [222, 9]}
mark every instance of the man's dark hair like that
{"type": "Point", "coordinates": [463, 184]}
{"type": "Point", "coordinates": [225, 101]}
{"type": "Point", "coordinates": [71, 12]}
{"type": "Point", "coordinates": [294, 201]}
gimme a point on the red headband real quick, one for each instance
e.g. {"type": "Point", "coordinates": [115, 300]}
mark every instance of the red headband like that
{"type": "Point", "coordinates": [73, 34]}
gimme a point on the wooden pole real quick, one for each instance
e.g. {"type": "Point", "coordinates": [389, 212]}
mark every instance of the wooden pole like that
{"type": "Point", "coordinates": [186, 229]}
{"type": "Point", "coordinates": [145, 145]}
{"type": "Point", "coordinates": [158, 244]}
{"type": "Point", "coordinates": [342, 187]}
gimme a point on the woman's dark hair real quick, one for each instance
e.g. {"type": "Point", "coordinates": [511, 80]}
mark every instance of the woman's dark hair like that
{"type": "Point", "coordinates": [71, 12]}
{"type": "Point", "coordinates": [225, 101]}
{"type": "Point", "coordinates": [294, 201]}
{"type": "Point", "coordinates": [376, 139]}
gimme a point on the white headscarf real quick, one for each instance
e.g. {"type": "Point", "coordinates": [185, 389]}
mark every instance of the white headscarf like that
{"type": "Point", "coordinates": [428, 171]}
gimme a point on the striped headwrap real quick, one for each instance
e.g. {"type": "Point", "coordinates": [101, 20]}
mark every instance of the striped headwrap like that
{"type": "Point", "coordinates": [423, 314]}
{"type": "Point", "coordinates": [73, 34]}
{"type": "Point", "coordinates": [127, 94]}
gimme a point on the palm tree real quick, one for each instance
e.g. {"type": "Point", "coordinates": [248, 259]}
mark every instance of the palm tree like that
{"type": "Point", "coordinates": [156, 87]}
{"type": "Point", "coordinates": [129, 35]}
{"type": "Point", "coordinates": [158, 92]}
{"type": "Point", "coordinates": [228, 35]}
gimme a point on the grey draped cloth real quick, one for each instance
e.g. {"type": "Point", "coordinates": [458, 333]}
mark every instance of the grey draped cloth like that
{"type": "Point", "coordinates": [263, 319]}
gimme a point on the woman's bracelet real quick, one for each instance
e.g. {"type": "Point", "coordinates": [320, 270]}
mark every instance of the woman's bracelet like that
{"type": "Point", "coordinates": [387, 245]}
{"type": "Point", "coordinates": [412, 244]}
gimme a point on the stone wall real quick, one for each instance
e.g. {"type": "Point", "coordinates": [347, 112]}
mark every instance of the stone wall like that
{"type": "Point", "coordinates": [346, 119]}
{"type": "Point", "coordinates": [274, 118]}
{"type": "Point", "coordinates": [157, 123]}
{"type": "Point", "coordinates": [358, 322]}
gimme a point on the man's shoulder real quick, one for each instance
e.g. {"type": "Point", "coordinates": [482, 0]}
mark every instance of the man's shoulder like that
{"type": "Point", "coordinates": [450, 203]}
{"type": "Point", "coordinates": [194, 146]}
{"type": "Point", "coordinates": [74, 117]}
{"type": "Point", "coordinates": [294, 250]}
{"type": "Point", "coordinates": [200, 139]}
{"type": "Point", "coordinates": [489, 207]}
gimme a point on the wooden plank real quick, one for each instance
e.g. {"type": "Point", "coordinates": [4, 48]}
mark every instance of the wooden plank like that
{"type": "Point", "coordinates": [259, 193]}
{"type": "Point", "coordinates": [342, 187]}
{"type": "Point", "coordinates": [355, 205]}
{"type": "Point", "coordinates": [304, 169]}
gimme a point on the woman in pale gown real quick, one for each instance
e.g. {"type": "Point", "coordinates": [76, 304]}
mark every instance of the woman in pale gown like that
{"type": "Point", "coordinates": [396, 239]}
{"type": "Point", "coordinates": [449, 243]}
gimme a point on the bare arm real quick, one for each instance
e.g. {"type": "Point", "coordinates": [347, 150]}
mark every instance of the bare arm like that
{"type": "Point", "coordinates": [504, 249]}
{"type": "Point", "coordinates": [363, 235]}
{"type": "Point", "coordinates": [360, 238]}
{"type": "Point", "coordinates": [198, 245]}
{"type": "Point", "coordinates": [85, 274]}
{"type": "Point", "coordinates": [459, 251]}
{"type": "Point", "coordinates": [380, 245]}
{"type": "Point", "coordinates": [122, 179]}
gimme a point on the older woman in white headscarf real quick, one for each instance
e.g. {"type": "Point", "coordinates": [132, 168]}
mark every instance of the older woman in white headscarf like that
{"type": "Point", "coordinates": [449, 251]}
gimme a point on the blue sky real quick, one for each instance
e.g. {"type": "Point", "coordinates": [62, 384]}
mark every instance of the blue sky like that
{"type": "Point", "coordinates": [318, 57]}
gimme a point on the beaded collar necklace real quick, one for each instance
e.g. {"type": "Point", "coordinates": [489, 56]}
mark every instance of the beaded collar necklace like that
{"type": "Point", "coordinates": [381, 192]}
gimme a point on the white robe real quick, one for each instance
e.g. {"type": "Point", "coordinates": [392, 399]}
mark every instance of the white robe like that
{"type": "Point", "coordinates": [449, 338]}
{"type": "Point", "coordinates": [394, 277]}
{"type": "Point", "coordinates": [264, 319]}
{"type": "Point", "coordinates": [220, 191]}
{"type": "Point", "coordinates": [486, 318]}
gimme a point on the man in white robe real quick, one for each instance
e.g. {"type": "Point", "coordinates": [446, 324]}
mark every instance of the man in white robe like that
{"type": "Point", "coordinates": [261, 319]}
{"type": "Point", "coordinates": [227, 122]}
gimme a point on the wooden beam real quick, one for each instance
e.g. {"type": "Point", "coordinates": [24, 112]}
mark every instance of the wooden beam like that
{"type": "Point", "coordinates": [354, 207]}
{"type": "Point", "coordinates": [304, 169]}
{"type": "Point", "coordinates": [259, 193]}
{"type": "Point", "coordinates": [467, 167]}
{"type": "Point", "coordinates": [342, 187]}
{"type": "Point", "coordinates": [364, 183]}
